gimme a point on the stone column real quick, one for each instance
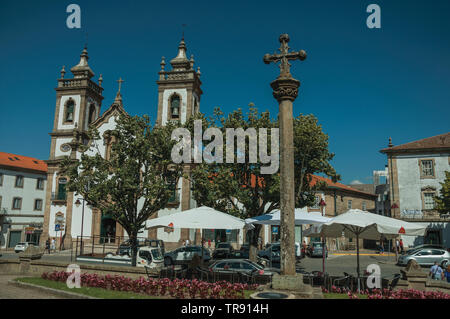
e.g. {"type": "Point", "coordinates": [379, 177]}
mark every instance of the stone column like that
{"type": "Point", "coordinates": [285, 91]}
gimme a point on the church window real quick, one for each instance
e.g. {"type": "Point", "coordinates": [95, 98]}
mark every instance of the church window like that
{"type": "Point", "coordinates": [175, 107]}
{"type": "Point", "coordinates": [69, 113]}
{"type": "Point", "coordinates": [426, 168]}
{"type": "Point", "coordinates": [428, 200]}
{"type": "Point", "coordinates": [62, 188]}
{"type": "Point", "coordinates": [91, 117]}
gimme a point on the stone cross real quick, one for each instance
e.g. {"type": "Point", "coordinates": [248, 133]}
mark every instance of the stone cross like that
{"type": "Point", "coordinates": [285, 90]}
{"type": "Point", "coordinates": [284, 56]}
{"type": "Point", "coordinates": [120, 83]}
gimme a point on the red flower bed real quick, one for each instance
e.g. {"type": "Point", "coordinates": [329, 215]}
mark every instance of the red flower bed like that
{"type": "Point", "coordinates": [177, 288]}
{"type": "Point", "coordinates": [391, 294]}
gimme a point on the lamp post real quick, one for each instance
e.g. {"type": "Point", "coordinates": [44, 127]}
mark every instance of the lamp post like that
{"type": "Point", "coordinates": [82, 222]}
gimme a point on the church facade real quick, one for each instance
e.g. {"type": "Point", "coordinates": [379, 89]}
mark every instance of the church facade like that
{"type": "Point", "coordinates": [78, 104]}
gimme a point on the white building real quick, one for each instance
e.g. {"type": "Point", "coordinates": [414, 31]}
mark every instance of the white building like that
{"type": "Point", "coordinates": [417, 169]}
{"type": "Point", "coordinates": [22, 199]}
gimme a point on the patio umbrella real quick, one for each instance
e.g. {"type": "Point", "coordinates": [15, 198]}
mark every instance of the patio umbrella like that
{"type": "Point", "coordinates": [362, 224]}
{"type": "Point", "coordinates": [198, 218]}
{"type": "Point", "coordinates": [301, 218]}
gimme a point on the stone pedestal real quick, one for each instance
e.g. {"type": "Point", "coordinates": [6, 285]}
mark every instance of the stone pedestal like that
{"type": "Point", "coordinates": [292, 283]}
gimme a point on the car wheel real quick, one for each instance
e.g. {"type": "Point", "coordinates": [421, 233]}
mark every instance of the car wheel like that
{"type": "Point", "coordinates": [445, 263]}
{"type": "Point", "coordinates": [168, 261]}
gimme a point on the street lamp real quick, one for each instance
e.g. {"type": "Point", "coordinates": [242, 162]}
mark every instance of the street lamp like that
{"type": "Point", "coordinates": [78, 203]}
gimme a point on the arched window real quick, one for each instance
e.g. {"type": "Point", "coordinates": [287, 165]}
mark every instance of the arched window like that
{"type": "Point", "coordinates": [91, 116]}
{"type": "Point", "coordinates": [69, 113]}
{"type": "Point", "coordinates": [175, 106]}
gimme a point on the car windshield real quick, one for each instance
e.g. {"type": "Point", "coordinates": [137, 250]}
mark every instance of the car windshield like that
{"type": "Point", "coordinates": [257, 266]}
{"type": "Point", "coordinates": [156, 253]}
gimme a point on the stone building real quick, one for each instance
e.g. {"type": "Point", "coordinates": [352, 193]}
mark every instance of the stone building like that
{"type": "Point", "coordinates": [22, 199]}
{"type": "Point", "coordinates": [78, 103]}
{"type": "Point", "coordinates": [417, 169]}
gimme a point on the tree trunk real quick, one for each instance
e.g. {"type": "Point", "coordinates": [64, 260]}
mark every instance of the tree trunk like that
{"type": "Point", "coordinates": [134, 247]}
{"type": "Point", "coordinates": [253, 244]}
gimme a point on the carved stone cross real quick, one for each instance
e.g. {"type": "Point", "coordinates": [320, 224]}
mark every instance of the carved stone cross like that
{"type": "Point", "coordinates": [284, 56]}
{"type": "Point", "coordinates": [120, 83]}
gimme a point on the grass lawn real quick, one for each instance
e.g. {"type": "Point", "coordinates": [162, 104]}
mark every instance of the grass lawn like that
{"type": "Point", "coordinates": [88, 291]}
{"type": "Point", "coordinates": [98, 292]}
{"type": "Point", "coordinates": [340, 296]}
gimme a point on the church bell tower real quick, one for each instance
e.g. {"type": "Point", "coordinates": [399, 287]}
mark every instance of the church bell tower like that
{"type": "Point", "coordinates": [179, 89]}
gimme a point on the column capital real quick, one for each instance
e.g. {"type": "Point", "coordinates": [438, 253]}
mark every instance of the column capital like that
{"type": "Point", "coordinates": [285, 88]}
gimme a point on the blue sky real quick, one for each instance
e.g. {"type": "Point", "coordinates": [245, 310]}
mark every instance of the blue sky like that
{"type": "Point", "coordinates": [363, 84]}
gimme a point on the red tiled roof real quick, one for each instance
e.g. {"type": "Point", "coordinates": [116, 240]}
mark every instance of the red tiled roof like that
{"type": "Point", "coordinates": [441, 141]}
{"type": "Point", "coordinates": [330, 183]}
{"type": "Point", "coordinates": [24, 162]}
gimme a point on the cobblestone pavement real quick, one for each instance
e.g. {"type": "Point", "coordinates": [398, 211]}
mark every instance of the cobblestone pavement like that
{"type": "Point", "coordinates": [13, 292]}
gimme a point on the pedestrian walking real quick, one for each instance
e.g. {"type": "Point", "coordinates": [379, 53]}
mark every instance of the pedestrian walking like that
{"type": "Point", "coordinates": [381, 246]}
{"type": "Point", "coordinates": [397, 246]}
{"type": "Point", "coordinates": [53, 245]}
{"type": "Point", "coordinates": [436, 272]}
{"type": "Point", "coordinates": [47, 245]}
{"type": "Point", "coordinates": [259, 243]}
{"type": "Point", "coordinates": [187, 242]}
{"type": "Point", "coordinates": [209, 243]}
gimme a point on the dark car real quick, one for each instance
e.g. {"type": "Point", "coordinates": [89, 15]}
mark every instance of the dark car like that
{"type": "Point", "coordinates": [125, 247]}
{"type": "Point", "coordinates": [183, 255]}
{"type": "Point", "coordinates": [223, 250]}
{"type": "Point", "coordinates": [241, 265]}
{"type": "Point", "coordinates": [315, 249]}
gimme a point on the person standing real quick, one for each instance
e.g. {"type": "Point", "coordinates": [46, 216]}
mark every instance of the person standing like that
{"type": "Point", "coordinates": [53, 245]}
{"type": "Point", "coordinates": [401, 246]}
{"type": "Point", "coordinates": [397, 245]}
{"type": "Point", "coordinates": [47, 245]}
{"type": "Point", "coordinates": [187, 242]}
{"type": "Point", "coordinates": [447, 273]}
{"type": "Point", "coordinates": [381, 246]}
{"type": "Point", "coordinates": [436, 272]}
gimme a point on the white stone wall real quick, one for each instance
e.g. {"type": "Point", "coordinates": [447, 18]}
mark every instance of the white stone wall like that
{"type": "Point", "coordinates": [409, 182]}
{"type": "Point", "coordinates": [77, 99]}
{"type": "Point", "coordinates": [183, 106]}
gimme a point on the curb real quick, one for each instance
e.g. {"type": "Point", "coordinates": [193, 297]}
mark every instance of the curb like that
{"type": "Point", "coordinates": [71, 295]}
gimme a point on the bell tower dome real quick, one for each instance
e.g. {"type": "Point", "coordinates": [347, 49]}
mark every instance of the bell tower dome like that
{"type": "Point", "coordinates": [179, 89]}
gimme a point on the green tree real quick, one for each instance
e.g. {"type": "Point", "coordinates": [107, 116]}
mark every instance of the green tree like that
{"type": "Point", "coordinates": [443, 201]}
{"type": "Point", "coordinates": [135, 182]}
{"type": "Point", "coordinates": [241, 190]}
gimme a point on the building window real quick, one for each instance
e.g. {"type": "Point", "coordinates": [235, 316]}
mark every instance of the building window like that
{"type": "Point", "coordinates": [91, 116]}
{"type": "Point", "coordinates": [17, 203]}
{"type": "Point", "coordinates": [40, 183]}
{"type": "Point", "coordinates": [69, 111]}
{"type": "Point", "coordinates": [62, 188]}
{"type": "Point", "coordinates": [349, 204]}
{"type": "Point", "coordinates": [175, 107]}
{"type": "Point", "coordinates": [316, 202]}
{"type": "Point", "coordinates": [0, 202]}
{"type": "Point", "coordinates": [426, 168]}
{"type": "Point", "coordinates": [364, 206]}
{"type": "Point", "coordinates": [1, 179]}
{"type": "Point", "coordinates": [428, 200]}
{"type": "Point", "coordinates": [19, 181]}
{"type": "Point", "coordinates": [38, 204]}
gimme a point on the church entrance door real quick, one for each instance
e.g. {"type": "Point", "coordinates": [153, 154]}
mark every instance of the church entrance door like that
{"type": "Point", "coordinates": [107, 230]}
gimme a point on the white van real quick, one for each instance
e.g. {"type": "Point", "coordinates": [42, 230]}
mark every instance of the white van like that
{"type": "Point", "coordinates": [151, 257]}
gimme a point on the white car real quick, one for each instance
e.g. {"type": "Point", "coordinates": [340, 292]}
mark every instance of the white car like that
{"type": "Point", "coordinates": [22, 246]}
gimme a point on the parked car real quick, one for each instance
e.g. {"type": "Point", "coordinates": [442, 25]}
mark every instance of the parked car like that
{"type": "Point", "coordinates": [426, 257]}
{"type": "Point", "coordinates": [315, 249]}
{"type": "Point", "coordinates": [147, 256]}
{"type": "Point", "coordinates": [22, 246]}
{"type": "Point", "coordinates": [125, 247]}
{"type": "Point", "coordinates": [274, 250]}
{"type": "Point", "coordinates": [243, 266]}
{"type": "Point", "coordinates": [222, 250]}
{"type": "Point", "coordinates": [409, 251]}
{"type": "Point", "coordinates": [184, 255]}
